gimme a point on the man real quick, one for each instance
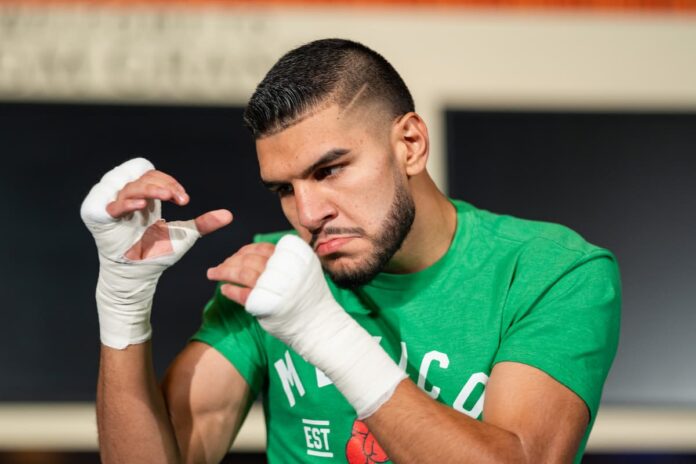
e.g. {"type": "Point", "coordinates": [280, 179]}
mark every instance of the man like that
{"type": "Point", "coordinates": [441, 332]}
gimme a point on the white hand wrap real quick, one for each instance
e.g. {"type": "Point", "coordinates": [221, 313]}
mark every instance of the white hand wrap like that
{"type": "Point", "coordinates": [125, 287]}
{"type": "Point", "coordinates": [293, 302]}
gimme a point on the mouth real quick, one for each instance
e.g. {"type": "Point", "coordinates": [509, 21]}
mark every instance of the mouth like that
{"type": "Point", "coordinates": [331, 245]}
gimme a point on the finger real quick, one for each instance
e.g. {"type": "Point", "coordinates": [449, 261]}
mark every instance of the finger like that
{"type": "Point", "coordinates": [234, 274]}
{"type": "Point", "coordinates": [213, 220]}
{"type": "Point", "coordinates": [235, 293]}
{"type": "Point", "coordinates": [144, 189]}
{"type": "Point", "coordinates": [162, 178]}
{"type": "Point", "coordinates": [237, 261]}
{"type": "Point", "coordinates": [126, 200]}
{"type": "Point", "coordinates": [118, 208]}
{"type": "Point", "coordinates": [253, 256]}
{"type": "Point", "coordinates": [263, 248]}
{"type": "Point", "coordinates": [262, 251]}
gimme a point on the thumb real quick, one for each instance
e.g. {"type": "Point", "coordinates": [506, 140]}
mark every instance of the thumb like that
{"type": "Point", "coordinates": [212, 221]}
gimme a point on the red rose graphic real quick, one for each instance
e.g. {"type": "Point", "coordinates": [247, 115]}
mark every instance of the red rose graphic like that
{"type": "Point", "coordinates": [362, 448]}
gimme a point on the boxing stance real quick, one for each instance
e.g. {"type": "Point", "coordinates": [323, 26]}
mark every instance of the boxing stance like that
{"type": "Point", "coordinates": [391, 323]}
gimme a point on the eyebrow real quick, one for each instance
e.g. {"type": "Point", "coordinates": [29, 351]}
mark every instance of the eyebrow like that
{"type": "Point", "coordinates": [328, 157]}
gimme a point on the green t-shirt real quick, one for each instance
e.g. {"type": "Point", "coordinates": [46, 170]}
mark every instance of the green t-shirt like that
{"type": "Point", "coordinates": [507, 289]}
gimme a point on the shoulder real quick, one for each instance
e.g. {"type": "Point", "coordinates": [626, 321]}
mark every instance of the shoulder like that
{"type": "Point", "coordinates": [528, 235]}
{"type": "Point", "coordinates": [532, 251]}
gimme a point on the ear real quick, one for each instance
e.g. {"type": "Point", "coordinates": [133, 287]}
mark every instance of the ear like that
{"type": "Point", "coordinates": [411, 143]}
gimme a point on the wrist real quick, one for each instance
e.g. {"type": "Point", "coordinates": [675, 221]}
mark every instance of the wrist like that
{"type": "Point", "coordinates": [352, 358]}
{"type": "Point", "coordinates": [293, 302]}
{"type": "Point", "coordinates": [124, 313]}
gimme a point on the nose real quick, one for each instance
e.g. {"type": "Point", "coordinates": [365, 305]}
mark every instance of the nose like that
{"type": "Point", "coordinates": [313, 207]}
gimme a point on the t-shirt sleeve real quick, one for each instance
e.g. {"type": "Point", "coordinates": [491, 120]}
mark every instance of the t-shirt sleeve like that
{"type": "Point", "coordinates": [232, 331]}
{"type": "Point", "coordinates": [567, 323]}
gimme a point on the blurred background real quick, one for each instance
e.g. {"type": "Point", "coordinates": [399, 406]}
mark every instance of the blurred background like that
{"type": "Point", "coordinates": [581, 112]}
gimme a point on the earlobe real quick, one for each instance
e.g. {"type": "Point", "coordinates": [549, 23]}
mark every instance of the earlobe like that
{"type": "Point", "coordinates": [412, 143]}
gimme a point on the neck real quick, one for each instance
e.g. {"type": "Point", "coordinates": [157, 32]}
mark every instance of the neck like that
{"type": "Point", "coordinates": [432, 231]}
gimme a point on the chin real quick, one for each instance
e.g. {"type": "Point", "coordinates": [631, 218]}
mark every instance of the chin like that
{"type": "Point", "coordinates": [338, 263]}
{"type": "Point", "coordinates": [348, 273]}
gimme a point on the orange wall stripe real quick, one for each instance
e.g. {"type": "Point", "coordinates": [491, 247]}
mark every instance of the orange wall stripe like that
{"type": "Point", "coordinates": [639, 5]}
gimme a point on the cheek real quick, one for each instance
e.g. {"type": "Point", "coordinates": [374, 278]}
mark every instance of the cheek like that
{"type": "Point", "coordinates": [290, 212]}
{"type": "Point", "coordinates": [373, 196]}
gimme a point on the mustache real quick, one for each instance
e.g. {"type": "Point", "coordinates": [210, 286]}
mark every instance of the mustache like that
{"type": "Point", "coordinates": [335, 231]}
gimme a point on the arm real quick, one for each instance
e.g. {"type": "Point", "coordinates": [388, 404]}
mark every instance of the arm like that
{"type": "Point", "coordinates": [192, 418]}
{"type": "Point", "coordinates": [528, 418]}
{"type": "Point", "coordinates": [135, 246]}
{"type": "Point", "coordinates": [208, 401]}
{"type": "Point", "coordinates": [131, 409]}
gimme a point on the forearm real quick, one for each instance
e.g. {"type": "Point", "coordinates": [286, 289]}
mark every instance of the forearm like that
{"type": "Point", "coordinates": [414, 428]}
{"type": "Point", "coordinates": [135, 246]}
{"type": "Point", "coordinates": [132, 418]}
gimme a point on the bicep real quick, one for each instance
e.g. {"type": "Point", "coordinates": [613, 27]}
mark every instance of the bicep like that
{"type": "Point", "coordinates": [549, 419]}
{"type": "Point", "coordinates": [207, 400]}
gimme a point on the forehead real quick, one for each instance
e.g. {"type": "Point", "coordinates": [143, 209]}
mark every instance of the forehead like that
{"type": "Point", "coordinates": [304, 142]}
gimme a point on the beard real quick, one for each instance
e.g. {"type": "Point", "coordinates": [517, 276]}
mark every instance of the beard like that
{"type": "Point", "coordinates": [386, 242]}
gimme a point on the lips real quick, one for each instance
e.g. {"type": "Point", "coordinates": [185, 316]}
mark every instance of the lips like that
{"type": "Point", "coordinates": [331, 245]}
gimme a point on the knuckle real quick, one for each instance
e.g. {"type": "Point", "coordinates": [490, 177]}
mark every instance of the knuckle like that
{"type": "Point", "coordinates": [111, 208]}
{"type": "Point", "coordinates": [234, 291]}
{"type": "Point", "coordinates": [232, 277]}
{"type": "Point", "coordinates": [222, 274]}
{"type": "Point", "coordinates": [246, 248]}
{"type": "Point", "coordinates": [127, 187]}
{"type": "Point", "coordinates": [266, 246]}
{"type": "Point", "coordinates": [259, 263]}
{"type": "Point", "coordinates": [248, 275]}
{"type": "Point", "coordinates": [227, 291]}
{"type": "Point", "coordinates": [151, 189]}
{"type": "Point", "coordinates": [248, 260]}
{"type": "Point", "coordinates": [163, 177]}
{"type": "Point", "coordinates": [228, 273]}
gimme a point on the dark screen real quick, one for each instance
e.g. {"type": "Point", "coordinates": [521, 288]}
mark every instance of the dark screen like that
{"type": "Point", "coordinates": [625, 181]}
{"type": "Point", "coordinates": [52, 155]}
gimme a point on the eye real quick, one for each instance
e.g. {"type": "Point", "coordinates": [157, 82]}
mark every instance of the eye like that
{"type": "Point", "coordinates": [327, 171]}
{"type": "Point", "coordinates": [283, 190]}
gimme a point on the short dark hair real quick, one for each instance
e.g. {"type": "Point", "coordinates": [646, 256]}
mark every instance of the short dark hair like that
{"type": "Point", "coordinates": [327, 70]}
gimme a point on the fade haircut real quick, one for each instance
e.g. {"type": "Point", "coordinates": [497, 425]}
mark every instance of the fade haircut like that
{"type": "Point", "coordinates": [323, 72]}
